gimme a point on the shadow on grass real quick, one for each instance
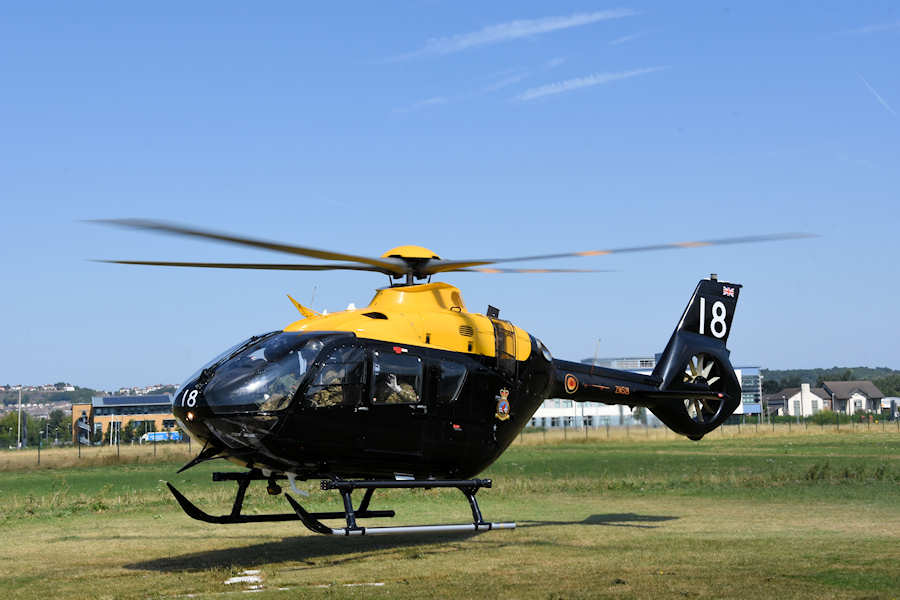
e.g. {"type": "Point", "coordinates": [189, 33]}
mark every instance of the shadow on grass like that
{"type": "Point", "coordinates": [330, 551]}
{"type": "Point", "coordinates": [305, 549]}
{"type": "Point", "coordinates": [609, 520]}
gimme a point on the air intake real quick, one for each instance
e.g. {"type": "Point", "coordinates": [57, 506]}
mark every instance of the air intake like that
{"type": "Point", "coordinates": [466, 330]}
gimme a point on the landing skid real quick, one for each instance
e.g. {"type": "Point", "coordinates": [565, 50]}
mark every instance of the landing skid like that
{"type": "Point", "coordinates": [313, 520]}
{"type": "Point", "coordinates": [243, 481]}
{"type": "Point", "coordinates": [469, 487]}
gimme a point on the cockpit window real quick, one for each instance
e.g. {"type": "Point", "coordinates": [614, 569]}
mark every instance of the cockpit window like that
{"type": "Point", "coordinates": [451, 380]}
{"type": "Point", "coordinates": [340, 380]}
{"type": "Point", "coordinates": [264, 376]}
{"type": "Point", "coordinates": [398, 378]}
{"type": "Point", "coordinates": [223, 355]}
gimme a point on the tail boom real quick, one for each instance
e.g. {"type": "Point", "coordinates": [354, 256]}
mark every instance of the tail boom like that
{"type": "Point", "coordinates": [693, 388]}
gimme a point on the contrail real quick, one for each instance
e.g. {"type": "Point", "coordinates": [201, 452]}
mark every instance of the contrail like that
{"type": "Point", "coordinates": [878, 96]}
{"type": "Point", "coordinates": [581, 82]}
{"type": "Point", "coordinates": [876, 28]}
{"type": "Point", "coordinates": [513, 30]}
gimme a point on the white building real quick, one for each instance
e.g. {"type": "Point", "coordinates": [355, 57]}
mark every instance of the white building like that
{"type": "Point", "coordinates": [803, 401]}
{"type": "Point", "coordinates": [563, 412]}
{"type": "Point", "coordinates": [851, 397]}
{"type": "Point", "coordinates": [848, 397]}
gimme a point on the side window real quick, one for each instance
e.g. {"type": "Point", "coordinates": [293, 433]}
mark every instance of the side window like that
{"type": "Point", "coordinates": [452, 376]}
{"type": "Point", "coordinates": [340, 380]}
{"type": "Point", "coordinates": [398, 378]}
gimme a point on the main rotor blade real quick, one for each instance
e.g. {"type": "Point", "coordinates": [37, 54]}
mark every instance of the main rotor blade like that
{"type": "Point", "coordinates": [385, 264]}
{"type": "Point", "coordinates": [261, 266]}
{"type": "Point", "coordinates": [493, 270]}
{"type": "Point", "coordinates": [452, 265]}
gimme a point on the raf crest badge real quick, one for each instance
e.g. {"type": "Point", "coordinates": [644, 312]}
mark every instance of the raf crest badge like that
{"type": "Point", "coordinates": [502, 405]}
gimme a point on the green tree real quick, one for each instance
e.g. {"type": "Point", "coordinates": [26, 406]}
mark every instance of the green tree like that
{"type": "Point", "coordinates": [771, 386]}
{"type": "Point", "coordinates": [130, 432]}
{"type": "Point", "coordinates": [889, 386]}
{"type": "Point", "coordinates": [640, 415]}
{"type": "Point", "coordinates": [8, 428]}
{"type": "Point", "coordinates": [59, 425]}
{"type": "Point", "coordinates": [791, 381]}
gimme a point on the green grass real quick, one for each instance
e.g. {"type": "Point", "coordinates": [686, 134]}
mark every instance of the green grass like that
{"type": "Point", "coordinates": [802, 516]}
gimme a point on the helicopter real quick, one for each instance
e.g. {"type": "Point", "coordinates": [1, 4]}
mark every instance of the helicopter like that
{"type": "Point", "coordinates": [414, 390]}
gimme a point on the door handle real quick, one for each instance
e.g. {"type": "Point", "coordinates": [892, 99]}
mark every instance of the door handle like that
{"type": "Point", "coordinates": [420, 409]}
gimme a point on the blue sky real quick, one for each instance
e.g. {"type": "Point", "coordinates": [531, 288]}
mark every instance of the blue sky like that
{"type": "Point", "coordinates": [498, 130]}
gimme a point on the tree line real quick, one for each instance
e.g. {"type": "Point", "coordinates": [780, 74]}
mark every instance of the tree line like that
{"type": "Point", "coordinates": [58, 426]}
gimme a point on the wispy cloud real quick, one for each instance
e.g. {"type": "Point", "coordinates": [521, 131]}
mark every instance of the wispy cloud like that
{"type": "Point", "coordinates": [878, 96]}
{"type": "Point", "coordinates": [554, 62]}
{"type": "Point", "coordinates": [626, 38]}
{"type": "Point", "coordinates": [433, 101]}
{"type": "Point", "coordinates": [582, 82]}
{"type": "Point", "coordinates": [513, 30]}
{"type": "Point", "coordinates": [505, 82]}
{"type": "Point", "coordinates": [878, 27]}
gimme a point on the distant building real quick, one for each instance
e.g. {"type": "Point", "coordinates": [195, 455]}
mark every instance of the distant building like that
{"type": "Point", "coordinates": [112, 413]}
{"type": "Point", "coordinates": [848, 397]}
{"type": "Point", "coordinates": [751, 384]}
{"type": "Point", "coordinates": [640, 364]}
{"type": "Point", "coordinates": [851, 397]}
{"type": "Point", "coordinates": [802, 401]}
{"type": "Point", "coordinates": [562, 412]}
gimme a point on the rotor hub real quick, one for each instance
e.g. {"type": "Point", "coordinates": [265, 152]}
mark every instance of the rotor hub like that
{"type": "Point", "coordinates": [416, 259]}
{"type": "Point", "coordinates": [407, 252]}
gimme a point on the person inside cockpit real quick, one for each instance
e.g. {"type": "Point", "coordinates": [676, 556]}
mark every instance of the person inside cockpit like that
{"type": "Point", "coordinates": [399, 393]}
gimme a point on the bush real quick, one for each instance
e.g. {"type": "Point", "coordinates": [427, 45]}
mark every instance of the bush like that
{"type": "Point", "coordinates": [827, 417]}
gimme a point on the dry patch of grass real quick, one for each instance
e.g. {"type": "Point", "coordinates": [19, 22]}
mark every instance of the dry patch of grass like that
{"type": "Point", "coordinates": [570, 546]}
{"type": "Point", "coordinates": [94, 456]}
{"type": "Point", "coordinates": [801, 516]}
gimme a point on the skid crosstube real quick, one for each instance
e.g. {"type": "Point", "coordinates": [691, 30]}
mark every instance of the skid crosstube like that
{"type": "Point", "coordinates": [243, 481]}
{"type": "Point", "coordinates": [469, 487]}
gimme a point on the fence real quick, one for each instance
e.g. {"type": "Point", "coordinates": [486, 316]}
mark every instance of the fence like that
{"type": "Point", "coordinates": [84, 455]}
{"type": "Point", "coordinates": [75, 456]}
{"type": "Point", "coordinates": [539, 435]}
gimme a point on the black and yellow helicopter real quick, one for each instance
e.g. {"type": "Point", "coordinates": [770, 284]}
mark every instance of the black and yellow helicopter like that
{"type": "Point", "coordinates": [415, 391]}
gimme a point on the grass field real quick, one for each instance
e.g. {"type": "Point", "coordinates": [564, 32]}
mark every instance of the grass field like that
{"type": "Point", "coordinates": [800, 514]}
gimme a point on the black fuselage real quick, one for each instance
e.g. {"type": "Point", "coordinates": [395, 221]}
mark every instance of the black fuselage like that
{"type": "Point", "coordinates": [452, 430]}
{"type": "Point", "coordinates": [331, 404]}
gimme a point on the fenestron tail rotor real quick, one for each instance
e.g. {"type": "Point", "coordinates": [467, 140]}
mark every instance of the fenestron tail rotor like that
{"type": "Point", "coordinates": [702, 369]}
{"type": "Point", "coordinates": [407, 262]}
